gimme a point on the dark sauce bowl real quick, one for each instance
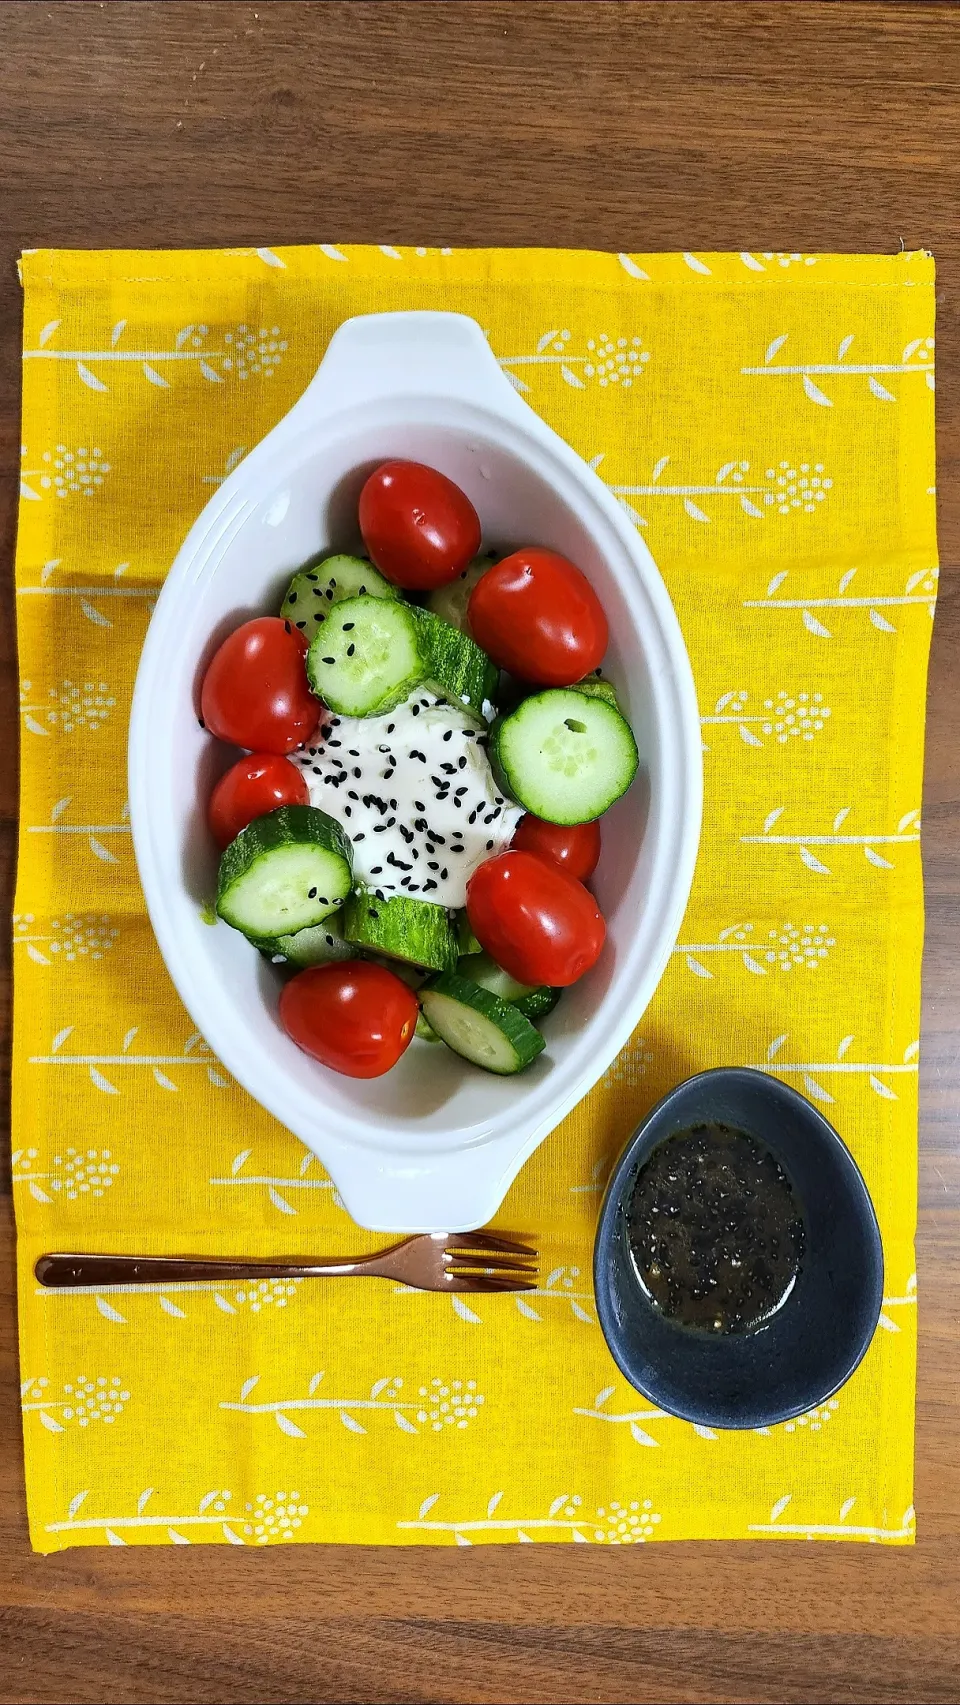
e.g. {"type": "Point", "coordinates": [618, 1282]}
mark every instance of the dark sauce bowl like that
{"type": "Point", "coordinates": [802, 1353]}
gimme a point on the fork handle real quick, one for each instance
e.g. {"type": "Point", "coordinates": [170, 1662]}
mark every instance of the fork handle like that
{"type": "Point", "coordinates": [71, 1272]}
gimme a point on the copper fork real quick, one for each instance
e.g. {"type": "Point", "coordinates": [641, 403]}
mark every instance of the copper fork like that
{"type": "Point", "coordinates": [432, 1261]}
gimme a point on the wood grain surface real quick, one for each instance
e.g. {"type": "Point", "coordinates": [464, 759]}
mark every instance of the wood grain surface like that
{"type": "Point", "coordinates": [625, 126]}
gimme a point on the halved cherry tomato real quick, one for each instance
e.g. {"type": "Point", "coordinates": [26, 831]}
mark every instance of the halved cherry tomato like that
{"type": "Point", "coordinates": [574, 850]}
{"type": "Point", "coordinates": [356, 1017]}
{"type": "Point", "coordinates": [252, 787]}
{"type": "Point", "coordinates": [255, 691]}
{"type": "Point", "coordinates": [421, 530]}
{"type": "Point", "coordinates": [540, 925]}
{"type": "Point", "coordinates": [535, 614]}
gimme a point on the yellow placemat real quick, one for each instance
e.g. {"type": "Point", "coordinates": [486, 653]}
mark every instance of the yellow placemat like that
{"type": "Point", "coordinates": [767, 420]}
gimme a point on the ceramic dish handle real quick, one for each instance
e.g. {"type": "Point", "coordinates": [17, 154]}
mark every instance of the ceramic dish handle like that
{"type": "Point", "coordinates": [414, 354]}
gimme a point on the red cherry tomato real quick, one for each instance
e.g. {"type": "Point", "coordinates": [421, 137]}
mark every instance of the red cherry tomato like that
{"type": "Point", "coordinates": [252, 787]}
{"type": "Point", "coordinates": [421, 530]}
{"type": "Point", "coordinates": [539, 924]}
{"type": "Point", "coordinates": [538, 616]}
{"type": "Point", "coordinates": [255, 691]}
{"type": "Point", "coordinates": [356, 1017]}
{"type": "Point", "coordinates": [574, 850]}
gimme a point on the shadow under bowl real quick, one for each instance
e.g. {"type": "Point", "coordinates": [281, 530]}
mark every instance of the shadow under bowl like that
{"type": "Point", "coordinates": [811, 1345]}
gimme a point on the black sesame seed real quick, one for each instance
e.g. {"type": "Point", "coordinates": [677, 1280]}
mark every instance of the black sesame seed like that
{"type": "Point", "coordinates": [375, 869]}
{"type": "Point", "coordinates": [449, 734]}
{"type": "Point", "coordinates": [328, 660]}
{"type": "Point", "coordinates": [361, 836]}
{"type": "Point", "coordinates": [444, 875]}
{"type": "Point", "coordinates": [311, 576]}
{"type": "Point", "coordinates": [489, 845]}
{"type": "Point", "coordinates": [201, 722]}
{"type": "Point", "coordinates": [441, 839]}
{"type": "Point", "coordinates": [432, 864]}
{"type": "Point", "coordinates": [348, 627]}
{"type": "Point", "coordinates": [371, 913]}
{"type": "Point", "coordinates": [291, 597]}
{"type": "Point", "coordinates": [390, 727]}
{"type": "Point", "coordinates": [415, 710]}
{"type": "Point", "coordinates": [318, 771]}
{"type": "Point", "coordinates": [429, 884]}
{"type": "Point", "coordinates": [352, 752]}
{"type": "Point", "coordinates": [287, 628]}
{"type": "Point", "coordinates": [378, 828]}
{"type": "Point", "coordinates": [334, 742]}
{"type": "Point", "coordinates": [328, 593]}
{"type": "Point", "coordinates": [348, 811]}
{"type": "Point", "coordinates": [460, 790]}
{"type": "Point", "coordinates": [473, 815]}
{"type": "Point", "coordinates": [351, 794]}
{"type": "Point", "coordinates": [350, 650]}
{"type": "Point", "coordinates": [462, 764]}
{"type": "Point", "coordinates": [357, 772]}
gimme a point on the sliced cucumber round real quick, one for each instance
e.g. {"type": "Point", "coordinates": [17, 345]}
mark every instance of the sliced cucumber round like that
{"type": "Point", "coordinates": [466, 940]}
{"type": "Point", "coordinates": [321, 944]}
{"type": "Point", "coordinates": [564, 755]}
{"type": "Point", "coordinates": [475, 1024]}
{"type": "Point", "coordinates": [456, 668]}
{"type": "Point", "coordinates": [538, 1002]}
{"type": "Point", "coordinates": [450, 602]}
{"type": "Point", "coordinates": [532, 1000]}
{"type": "Point", "coordinates": [368, 655]}
{"type": "Point", "coordinates": [284, 873]}
{"type": "Point", "coordinates": [414, 931]}
{"type": "Point", "coordinates": [327, 580]}
{"type": "Point", "coordinates": [595, 688]}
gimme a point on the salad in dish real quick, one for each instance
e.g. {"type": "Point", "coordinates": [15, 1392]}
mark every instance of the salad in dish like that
{"type": "Point", "coordinates": [428, 744]}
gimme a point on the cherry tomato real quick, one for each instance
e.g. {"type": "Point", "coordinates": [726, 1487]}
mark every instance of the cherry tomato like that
{"type": "Point", "coordinates": [574, 850]}
{"type": "Point", "coordinates": [255, 691]}
{"type": "Point", "coordinates": [421, 530]}
{"type": "Point", "coordinates": [252, 787]}
{"type": "Point", "coordinates": [535, 614]}
{"type": "Point", "coordinates": [355, 1017]}
{"type": "Point", "coordinates": [540, 925]}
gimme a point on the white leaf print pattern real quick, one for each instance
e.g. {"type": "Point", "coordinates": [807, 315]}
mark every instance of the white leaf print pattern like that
{"type": "Point", "coordinates": [103, 1083]}
{"type": "Point", "coordinates": [207, 1499]}
{"type": "Point", "coordinates": [109, 1312]}
{"type": "Point", "coordinates": [581, 1313]}
{"type": "Point", "coordinates": [402, 1422]}
{"type": "Point", "coordinates": [113, 1538]}
{"type": "Point", "coordinates": [748, 504]}
{"type": "Point", "coordinates": [876, 858]}
{"type": "Point", "coordinates": [813, 863]}
{"type": "Point", "coordinates": [704, 1432]}
{"type": "Point", "coordinates": [698, 970]}
{"type": "Point", "coordinates": [462, 1539]}
{"type": "Point", "coordinates": [315, 1381]}
{"type": "Point", "coordinates": [176, 1538]}
{"type": "Point", "coordinates": [517, 383]}
{"type": "Point", "coordinates": [211, 374]}
{"type": "Point", "coordinates": [846, 1507]}
{"type": "Point", "coordinates": [776, 345]}
{"type": "Point", "coordinates": [95, 616]}
{"type": "Point", "coordinates": [642, 1438]}
{"type": "Point", "coordinates": [845, 579]}
{"type": "Point", "coordinates": [571, 377]}
{"type": "Point", "coordinates": [779, 1507]}
{"type": "Point", "coordinates": [881, 622]}
{"type": "Point", "coordinates": [494, 1501]}
{"type": "Point", "coordinates": [814, 392]}
{"type": "Point", "coordinates": [752, 965]}
{"type": "Point", "coordinates": [777, 580]}
{"type": "Point", "coordinates": [528, 1312]}
{"type": "Point", "coordinates": [155, 377]}
{"type": "Point", "coordinates": [270, 258]}
{"type": "Point", "coordinates": [880, 390]}
{"type": "Point", "coordinates": [144, 1498]}
{"type": "Point", "coordinates": [844, 1046]}
{"type": "Point", "coordinates": [290, 1427]}
{"type": "Point", "coordinates": [75, 1503]}
{"type": "Point", "coordinates": [696, 265]}
{"type": "Point", "coordinates": [547, 337]}
{"type": "Point", "coordinates": [772, 818]}
{"type": "Point", "coordinates": [116, 334]}
{"type": "Point", "coordinates": [815, 1089]}
{"type": "Point", "coordinates": [101, 851]}
{"type": "Point", "coordinates": [840, 818]}
{"type": "Point", "coordinates": [391, 253]}
{"type": "Point", "coordinates": [229, 1535]}
{"type": "Point", "coordinates": [34, 726]}
{"type": "Point", "coordinates": [751, 262]}
{"type": "Point", "coordinates": [812, 625]}
{"type": "Point", "coordinates": [48, 1421]}
{"type": "Point", "coordinates": [747, 735]}
{"type": "Point", "coordinates": [351, 1425]}
{"type": "Point", "coordinates": [238, 1161]}
{"type": "Point", "coordinates": [224, 1306]}
{"type": "Point", "coordinates": [598, 1402]}
{"type": "Point", "coordinates": [330, 252]}
{"type": "Point", "coordinates": [38, 1194]}
{"type": "Point", "coordinates": [464, 1311]}
{"type": "Point", "coordinates": [248, 1386]}
{"type": "Point", "coordinates": [882, 1089]}
{"type": "Point", "coordinates": [845, 343]}
{"type": "Point", "coordinates": [94, 383]}
{"type": "Point", "coordinates": [60, 1038]}
{"type": "Point", "coordinates": [171, 1308]}
{"type": "Point", "coordinates": [776, 1045]}
{"type": "Point", "coordinates": [163, 1080]}
{"type": "Point", "coordinates": [280, 1201]}
{"type": "Point", "coordinates": [631, 267]}
{"type": "Point", "coordinates": [47, 332]}
{"type": "Point", "coordinates": [694, 512]}
{"type": "Point", "coordinates": [427, 1506]}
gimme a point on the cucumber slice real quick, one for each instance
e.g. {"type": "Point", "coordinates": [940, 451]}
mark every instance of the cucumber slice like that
{"type": "Point", "coordinates": [415, 931]}
{"type": "Point", "coordinates": [538, 1002]}
{"type": "Point", "coordinates": [594, 688]}
{"type": "Point", "coordinates": [466, 940]}
{"type": "Point", "coordinates": [475, 1024]}
{"type": "Point", "coordinates": [533, 1002]}
{"type": "Point", "coordinates": [368, 655]}
{"type": "Point", "coordinates": [450, 602]}
{"type": "Point", "coordinates": [327, 580]}
{"type": "Point", "coordinates": [456, 669]}
{"type": "Point", "coordinates": [284, 872]}
{"type": "Point", "coordinates": [425, 1031]}
{"type": "Point", "coordinates": [564, 755]}
{"type": "Point", "coordinates": [321, 944]}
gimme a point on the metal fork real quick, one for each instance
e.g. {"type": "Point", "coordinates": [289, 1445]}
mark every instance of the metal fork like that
{"type": "Point", "coordinates": [432, 1261]}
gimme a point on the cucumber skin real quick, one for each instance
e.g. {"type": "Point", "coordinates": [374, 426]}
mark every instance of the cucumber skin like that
{"type": "Point", "coordinates": [467, 942]}
{"type": "Point", "coordinates": [456, 668]}
{"type": "Point", "coordinates": [523, 1037]}
{"type": "Point", "coordinates": [508, 786]}
{"type": "Point", "coordinates": [393, 916]}
{"type": "Point", "coordinates": [538, 1003]}
{"type": "Point", "coordinates": [449, 603]}
{"type": "Point", "coordinates": [289, 825]}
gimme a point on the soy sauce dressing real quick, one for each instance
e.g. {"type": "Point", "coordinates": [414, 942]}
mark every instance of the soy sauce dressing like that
{"type": "Point", "coordinates": [715, 1230]}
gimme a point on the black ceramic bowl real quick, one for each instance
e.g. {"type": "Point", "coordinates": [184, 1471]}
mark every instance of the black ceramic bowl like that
{"type": "Point", "coordinates": [812, 1344]}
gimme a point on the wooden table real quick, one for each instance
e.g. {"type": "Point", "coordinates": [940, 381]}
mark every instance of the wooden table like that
{"type": "Point", "coordinates": [616, 126]}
